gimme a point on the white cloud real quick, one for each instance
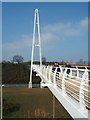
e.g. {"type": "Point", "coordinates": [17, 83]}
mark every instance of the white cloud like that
{"type": "Point", "coordinates": [23, 42]}
{"type": "Point", "coordinates": [17, 47]}
{"type": "Point", "coordinates": [48, 37]}
{"type": "Point", "coordinates": [50, 34]}
{"type": "Point", "coordinates": [84, 22]}
{"type": "Point", "coordinates": [68, 29]}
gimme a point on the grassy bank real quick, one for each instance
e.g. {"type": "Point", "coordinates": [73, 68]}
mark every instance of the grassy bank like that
{"type": "Point", "coordinates": [33, 103]}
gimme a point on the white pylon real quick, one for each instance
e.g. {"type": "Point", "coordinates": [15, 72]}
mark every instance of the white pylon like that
{"type": "Point", "coordinates": [36, 23]}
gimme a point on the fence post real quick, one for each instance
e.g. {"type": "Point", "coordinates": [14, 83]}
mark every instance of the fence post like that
{"type": "Point", "coordinates": [63, 82]}
{"type": "Point", "coordinates": [81, 94]}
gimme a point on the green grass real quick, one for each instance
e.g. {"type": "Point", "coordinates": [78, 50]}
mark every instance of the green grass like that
{"type": "Point", "coordinates": [34, 103]}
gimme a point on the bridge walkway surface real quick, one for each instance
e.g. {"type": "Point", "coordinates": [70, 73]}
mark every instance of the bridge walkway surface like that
{"type": "Point", "coordinates": [72, 90]}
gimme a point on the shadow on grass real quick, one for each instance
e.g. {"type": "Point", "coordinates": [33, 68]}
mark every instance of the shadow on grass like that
{"type": "Point", "coordinates": [9, 107]}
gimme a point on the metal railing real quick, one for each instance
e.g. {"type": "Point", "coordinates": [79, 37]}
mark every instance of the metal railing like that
{"type": "Point", "coordinates": [73, 82]}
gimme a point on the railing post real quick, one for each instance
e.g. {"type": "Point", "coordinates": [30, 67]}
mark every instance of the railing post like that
{"type": "Point", "coordinates": [50, 74]}
{"type": "Point", "coordinates": [71, 71]}
{"type": "Point", "coordinates": [46, 74]}
{"type": "Point", "coordinates": [44, 71]}
{"type": "Point", "coordinates": [63, 82]}
{"type": "Point", "coordinates": [81, 94]}
{"type": "Point", "coordinates": [61, 69]}
{"type": "Point", "coordinates": [41, 72]}
{"type": "Point", "coordinates": [87, 73]}
{"type": "Point", "coordinates": [77, 72]}
{"type": "Point", "coordinates": [55, 77]}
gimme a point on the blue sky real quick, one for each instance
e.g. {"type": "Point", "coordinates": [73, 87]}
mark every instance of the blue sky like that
{"type": "Point", "coordinates": [64, 30]}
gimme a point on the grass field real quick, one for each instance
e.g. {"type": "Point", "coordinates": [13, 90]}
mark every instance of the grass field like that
{"type": "Point", "coordinates": [34, 103]}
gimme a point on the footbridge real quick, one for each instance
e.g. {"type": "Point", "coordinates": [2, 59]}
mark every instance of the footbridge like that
{"type": "Point", "coordinates": [72, 90]}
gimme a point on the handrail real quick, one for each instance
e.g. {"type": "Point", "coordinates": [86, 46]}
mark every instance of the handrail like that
{"type": "Point", "coordinates": [76, 83]}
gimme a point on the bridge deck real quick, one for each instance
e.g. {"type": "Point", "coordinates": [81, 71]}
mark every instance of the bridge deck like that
{"type": "Point", "coordinates": [72, 90]}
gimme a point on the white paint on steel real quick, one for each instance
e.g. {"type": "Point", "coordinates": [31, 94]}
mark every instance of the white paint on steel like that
{"type": "Point", "coordinates": [77, 81]}
{"type": "Point", "coordinates": [36, 23]}
{"type": "Point", "coordinates": [75, 106]}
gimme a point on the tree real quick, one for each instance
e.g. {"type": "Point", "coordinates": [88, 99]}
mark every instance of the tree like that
{"type": "Point", "coordinates": [18, 59]}
{"type": "Point", "coordinates": [43, 60]}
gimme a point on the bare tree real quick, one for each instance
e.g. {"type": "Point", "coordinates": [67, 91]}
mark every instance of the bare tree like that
{"type": "Point", "coordinates": [18, 59]}
{"type": "Point", "coordinates": [81, 61]}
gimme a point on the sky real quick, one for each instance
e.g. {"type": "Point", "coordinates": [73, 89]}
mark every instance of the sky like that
{"type": "Point", "coordinates": [63, 25]}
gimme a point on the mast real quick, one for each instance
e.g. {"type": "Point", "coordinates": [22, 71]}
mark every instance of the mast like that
{"type": "Point", "coordinates": [36, 26]}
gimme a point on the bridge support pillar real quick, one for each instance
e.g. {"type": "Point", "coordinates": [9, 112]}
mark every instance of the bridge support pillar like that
{"type": "Point", "coordinates": [30, 84]}
{"type": "Point", "coordinates": [35, 44]}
